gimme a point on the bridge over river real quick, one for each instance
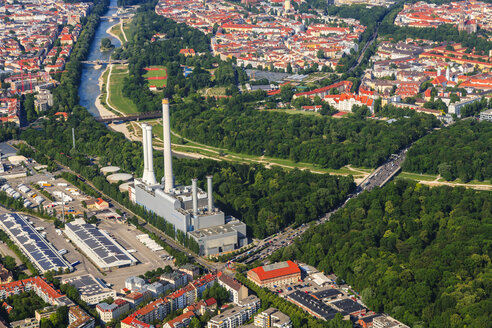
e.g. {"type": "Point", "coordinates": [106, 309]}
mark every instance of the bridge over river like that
{"type": "Point", "coordinates": [103, 61]}
{"type": "Point", "coordinates": [135, 117]}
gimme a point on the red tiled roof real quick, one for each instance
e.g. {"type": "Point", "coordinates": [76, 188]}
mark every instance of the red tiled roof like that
{"type": "Point", "coordinates": [291, 268]}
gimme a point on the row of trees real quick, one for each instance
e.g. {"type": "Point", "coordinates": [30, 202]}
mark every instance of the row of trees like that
{"type": "Point", "coordinates": [417, 253]}
{"type": "Point", "coordinates": [233, 124]}
{"type": "Point", "coordinates": [463, 150]}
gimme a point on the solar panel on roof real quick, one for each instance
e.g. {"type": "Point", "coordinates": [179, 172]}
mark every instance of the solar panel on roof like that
{"type": "Point", "coordinates": [44, 256]}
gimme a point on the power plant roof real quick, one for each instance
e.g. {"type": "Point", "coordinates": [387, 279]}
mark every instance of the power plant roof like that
{"type": "Point", "coordinates": [117, 177]}
{"type": "Point", "coordinates": [110, 169]}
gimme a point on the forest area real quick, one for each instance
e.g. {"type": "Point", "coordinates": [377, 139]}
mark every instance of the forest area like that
{"type": "Point", "coordinates": [232, 124]}
{"type": "Point", "coordinates": [417, 253]}
{"type": "Point", "coordinates": [463, 150]}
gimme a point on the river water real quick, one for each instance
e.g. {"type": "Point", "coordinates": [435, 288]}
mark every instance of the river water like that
{"type": "Point", "coordinates": [89, 86]}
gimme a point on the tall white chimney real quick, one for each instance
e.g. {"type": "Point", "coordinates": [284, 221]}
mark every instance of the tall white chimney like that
{"type": "Point", "coordinates": [210, 197]}
{"type": "Point", "coordinates": [144, 146]}
{"type": "Point", "coordinates": [168, 160]}
{"type": "Point", "coordinates": [194, 194]}
{"type": "Point", "coordinates": [150, 160]}
{"type": "Point", "coordinates": [447, 73]}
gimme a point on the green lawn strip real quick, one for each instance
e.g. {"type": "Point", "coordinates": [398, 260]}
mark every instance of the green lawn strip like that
{"type": "Point", "coordinates": [417, 176]}
{"type": "Point", "coordinates": [293, 111]}
{"type": "Point", "coordinates": [116, 97]}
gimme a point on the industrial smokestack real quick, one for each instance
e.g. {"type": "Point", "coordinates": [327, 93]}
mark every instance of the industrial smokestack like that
{"type": "Point", "coordinates": [210, 197]}
{"type": "Point", "coordinates": [150, 160]}
{"type": "Point", "coordinates": [144, 146]}
{"type": "Point", "coordinates": [194, 194]}
{"type": "Point", "coordinates": [168, 161]}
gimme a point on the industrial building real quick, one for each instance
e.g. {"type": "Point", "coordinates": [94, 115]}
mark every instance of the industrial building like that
{"type": "Point", "coordinates": [102, 250]}
{"type": "Point", "coordinates": [313, 306]}
{"type": "Point", "coordinates": [275, 274]}
{"type": "Point", "coordinates": [188, 208]}
{"type": "Point", "coordinates": [92, 290]}
{"type": "Point", "coordinates": [30, 241]}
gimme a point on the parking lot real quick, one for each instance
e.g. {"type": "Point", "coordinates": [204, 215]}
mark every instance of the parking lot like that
{"type": "Point", "coordinates": [123, 234]}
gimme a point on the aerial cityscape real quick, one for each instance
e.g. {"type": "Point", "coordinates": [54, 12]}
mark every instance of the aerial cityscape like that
{"type": "Point", "coordinates": [245, 163]}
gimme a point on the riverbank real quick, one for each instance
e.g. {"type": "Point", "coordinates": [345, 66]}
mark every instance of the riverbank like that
{"type": "Point", "coordinates": [102, 111]}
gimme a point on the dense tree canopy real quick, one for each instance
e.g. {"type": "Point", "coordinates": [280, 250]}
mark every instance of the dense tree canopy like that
{"type": "Point", "coordinates": [8, 131]}
{"type": "Point", "coordinates": [417, 253]}
{"type": "Point", "coordinates": [329, 142]}
{"type": "Point", "coordinates": [463, 150]}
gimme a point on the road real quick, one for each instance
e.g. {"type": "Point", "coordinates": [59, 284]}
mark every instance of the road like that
{"type": "Point", "coordinates": [267, 246]}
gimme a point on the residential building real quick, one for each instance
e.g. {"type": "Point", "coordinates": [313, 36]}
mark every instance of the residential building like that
{"type": "Point", "coordinates": [176, 278]}
{"type": "Point", "coordinates": [25, 323]}
{"type": "Point", "coordinates": [202, 306]}
{"type": "Point", "coordinates": [237, 290]}
{"type": "Point", "coordinates": [92, 290]}
{"type": "Point", "coordinates": [486, 115]}
{"type": "Point", "coordinates": [180, 321]}
{"type": "Point", "coordinates": [77, 318]}
{"type": "Point", "coordinates": [108, 312]}
{"type": "Point", "coordinates": [272, 318]}
{"type": "Point", "coordinates": [237, 315]}
{"type": "Point", "coordinates": [5, 275]}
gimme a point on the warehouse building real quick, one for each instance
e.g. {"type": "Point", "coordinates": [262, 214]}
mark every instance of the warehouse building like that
{"type": "Point", "coordinates": [30, 241]}
{"type": "Point", "coordinates": [275, 274]}
{"type": "Point", "coordinates": [313, 306]}
{"type": "Point", "coordinates": [92, 290]}
{"type": "Point", "coordinates": [102, 250]}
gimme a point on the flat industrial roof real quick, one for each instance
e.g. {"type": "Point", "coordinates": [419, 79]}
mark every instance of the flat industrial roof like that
{"type": "Point", "coordinates": [348, 305]}
{"type": "Point", "coordinates": [87, 285]}
{"type": "Point", "coordinates": [41, 253]}
{"type": "Point", "coordinates": [6, 150]}
{"type": "Point", "coordinates": [328, 293]}
{"type": "Point", "coordinates": [313, 304]}
{"type": "Point", "coordinates": [100, 245]}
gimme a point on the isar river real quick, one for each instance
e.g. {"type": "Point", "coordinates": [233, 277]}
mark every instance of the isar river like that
{"type": "Point", "coordinates": [89, 86]}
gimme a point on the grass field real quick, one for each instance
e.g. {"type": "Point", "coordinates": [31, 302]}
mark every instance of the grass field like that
{"type": "Point", "coordinates": [128, 27]}
{"type": "Point", "coordinates": [416, 176]}
{"type": "Point", "coordinates": [437, 179]}
{"type": "Point", "coordinates": [161, 72]}
{"type": "Point", "coordinates": [215, 91]}
{"type": "Point", "coordinates": [116, 97]}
